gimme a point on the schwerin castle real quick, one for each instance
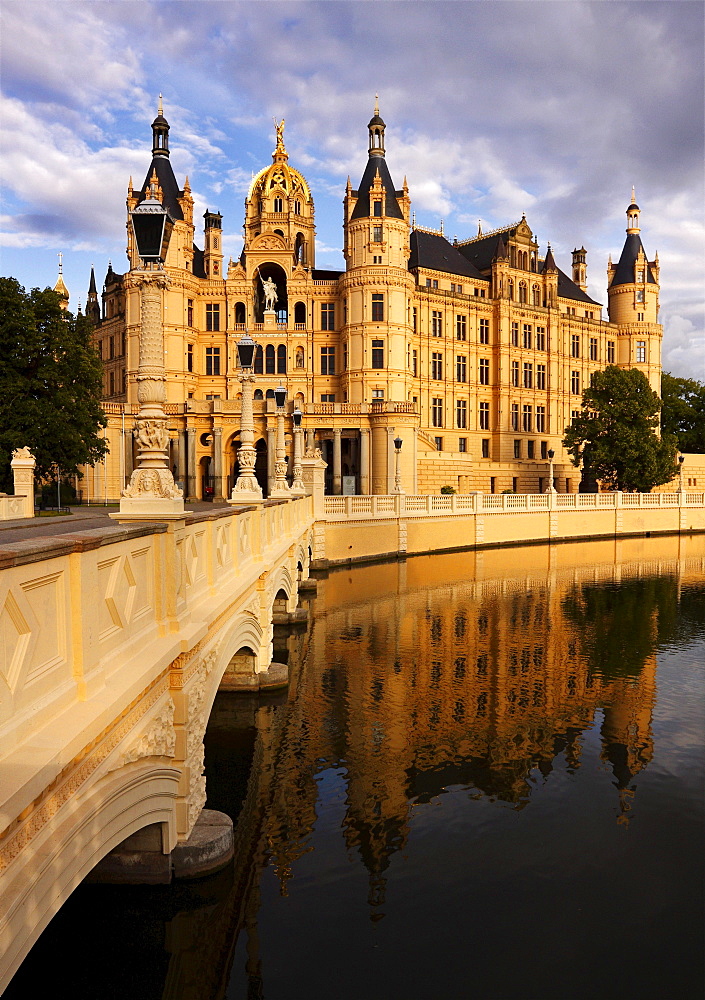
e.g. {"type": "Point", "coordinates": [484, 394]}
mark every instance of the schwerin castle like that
{"type": "Point", "coordinates": [474, 352]}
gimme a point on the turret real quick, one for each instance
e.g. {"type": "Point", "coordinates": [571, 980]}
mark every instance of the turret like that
{"type": "Point", "coordinates": [633, 282]}
{"type": "Point", "coordinates": [580, 268]}
{"type": "Point", "coordinates": [213, 251]}
{"type": "Point", "coordinates": [92, 304]}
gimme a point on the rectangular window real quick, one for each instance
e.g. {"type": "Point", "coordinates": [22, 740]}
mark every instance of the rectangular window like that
{"type": "Point", "coordinates": [189, 312]}
{"type": "Point", "coordinates": [212, 361]}
{"type": "Point", "coordinates": [484, 371]}
{"type": "Point", "coordinates": [461, 413]}
{"type": "Point", "coordinates": [528, 375]}
{"type": "Point", "coordinates": [461, 368]}
{"type": "Point", "coordinates": [540, 376]}
{"type": "Point", "coordinates": [541, 421]}
{"type": "Point", "coordinates": [517, 449]}
{"type": "Point", "coordinates": [439, 443]}
{"type": "Point", "coordinates": [436, 323]}
{"type": "Point", "coordinates": [515, 373]}
{"type": "Point", "coordinates": [212, 316]}
{"type": "Point", "coordinates": [435, 283]}
{"type": "Point", "coordinates": [575, 345]}
{"type": "Point", "coordinates": [515, 416]}
{"type": "Point", "coordinates": [415, 316]}
{"type": "Point", "coordinates": [345, 357]}
{"type": "Point", "coordinates": [515, 334]}
{"type": "Point", "coordinates": [530, 445]}
{"type": "Point", "coordinates": [610, 352]}
{"type": "Point", "coordinates": [437, 411]}
{"type": "Point", "coordinates": [527, 335]}
{"type": "Point", "coordinates": [462, 444]}
{"type": "Point", "coordinates": [377, 209]}
{"type": "Point", "coordinates": [111, 390]}
{"type": "Point", "coordinates": [415, 362]}
{"type": "Point", "coordinates": [641, 351]}
{"type": "Point", "coordinates": [377, 307]}
{"type": "Point", "coordinates": [378, 354]}
{"type": "Point", "coordinates": [485, 447]}
{"type": "Point", "coordinates": [544, 444]}
{"type": "Point", "coordinates": [327, 397]}
{"type": "Point", "coordinates": [428, 282]}
{"type": "Point", "coordinates": [461, 327]}
{"type": "Point", "coordinates": [575, 382]}
{"type": "Point", "coordinates": [376, 234]}
{"type": "Point", "coordinates": [484, 331]}
{"type": "Point", "coordinates": [189, 358]}
{"type": "Point", "coordinates": [593, 348]}
{"type": "Point", "coordinates": [437, 367]}
{"type": "Point", "coordinates": [378, 393]}
{"type": "Point", "coordinates": [112, 348]}
{"type": "Point", "coordinates": [540, 338]}
{"type": "Point", "coordinates": [327, 315]}
{"type": "Point", "coordinates": [327, 361]}
{"type": "Point", "coordinates": [526, 418]}
{"type": "Point", "coordinates": [484, 416]}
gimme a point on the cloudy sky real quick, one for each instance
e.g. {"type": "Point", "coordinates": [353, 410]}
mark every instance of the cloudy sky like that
{"type": "Point", "coordinates": [493, 109]}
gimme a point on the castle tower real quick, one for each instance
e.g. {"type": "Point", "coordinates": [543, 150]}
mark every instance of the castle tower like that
{"type": "Point", "coordinates": [633, 302]}
{"type": "Point", "coordinates": [580, 268]}
{"type": "Point", "coordinates": [60, 288]}
{"type": "Point", "coordinates": [213, 247]}
{"type": "Point", "coordinates": [92, 304]}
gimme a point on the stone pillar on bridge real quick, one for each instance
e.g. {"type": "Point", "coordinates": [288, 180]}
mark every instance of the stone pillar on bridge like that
{"type": "Point", "coordinates": [23, 464]}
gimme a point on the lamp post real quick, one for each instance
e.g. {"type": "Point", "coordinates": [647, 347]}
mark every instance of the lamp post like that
{"type": "Point", "coordinates": [297, 485]}
{"type": "Point", "coordinates": [246, 489]}
{"type": "Point", "coordinates": [551, 487]}
{"type": "Point", "coordinates": [281, 487]}
{"type": "Point", "coordinates": [151, 490]}
{"type": "Point", "coordinates": [397, 465]}
{"type": "Point", "coordinates": [681, 459]}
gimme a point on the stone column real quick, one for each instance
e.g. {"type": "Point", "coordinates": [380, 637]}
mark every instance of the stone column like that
{"type": "Point", "coordinates": [23, 464]}
{"type": "Point", "coordinates": [218, 463]}
{"type": "Point", "coordinates": [183, 448]}
{"type": "Point", "coordinates": [191, 461]}
{"type": "Point", "coordinates": [365, 461]}
{"type": "Point", "coordinates": [151, 491]}
{"type": "Point", "coordinates": [337, 463]}
{"type": "Point", "coordinates": [271, 457]}
{"type": "Point", "coordinates": [246, 489]}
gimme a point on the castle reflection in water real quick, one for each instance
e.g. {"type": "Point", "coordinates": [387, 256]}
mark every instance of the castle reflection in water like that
{"type": "Point", "coordinates": [473, 670]}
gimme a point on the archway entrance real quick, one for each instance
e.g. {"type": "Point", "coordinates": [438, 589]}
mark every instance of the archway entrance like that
{"type": "Point", "coordinates": [276, 274]}
{"type": "Point", "coordinates": [261, 466]}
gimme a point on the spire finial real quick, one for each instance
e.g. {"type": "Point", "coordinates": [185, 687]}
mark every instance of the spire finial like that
{"type": "Point", "coordinates": [413, 219]}
{"type": "Point", "coordinates": [61, 261]}
{"type": "Point", "coordinates": [160, 109]}
{"type": "Point", "coordinates": [441, 227]}
{"type": "Point", "coordinates": [633, 194]}
{"type": "Point", "coordinates": [376, 104]}
{"type": "Point", "coordinates": [479, 227]}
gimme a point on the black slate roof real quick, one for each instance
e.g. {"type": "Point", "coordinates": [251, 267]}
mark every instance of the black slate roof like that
{"type": "Point", "coordinates": [362, 208]}
{"type": "Point", "coordinates": [199, 268]}
{"type": "Point", "coordinates": [567, 289]}
{"type": "Point", "coordinates": [323, 275]}
{"type": "Point", "coordinates": [435, 252]}
{"type": "Point", "coordinates": [624, 275]}
{"type": "Point", "coordinates": [167, 182]}
{"type": "Point", "coordinates": [482, 252]}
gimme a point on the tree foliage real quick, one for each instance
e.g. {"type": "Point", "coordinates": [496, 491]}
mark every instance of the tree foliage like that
{"type": "Point", "coordinates": [615, 434]}
{"type": "Point", "coordinates": [683, 411]}
{"type": "Point", "coordinates": [50, 383]}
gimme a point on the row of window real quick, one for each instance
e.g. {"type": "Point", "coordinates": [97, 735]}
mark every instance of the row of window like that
{"type": "Point", "coordinates": [479, 293]}
{"type": "Point", "coordinates": [485, 449]}
{"type": "Point", "coordinates": [529, 419]}
{"type": "Point", "coordinates": [112, 347]}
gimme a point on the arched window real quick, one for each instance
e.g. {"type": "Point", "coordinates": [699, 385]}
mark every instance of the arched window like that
{"type": "Point", "coordinates": [522, 291]}
{"type": "Point", "coordinates": [270, 393]}
{"type": "Point", "coordinates": [300, 249]}
{"type": "Point", "coordinates": [297, 208]}
{"type": "Point", "coordinates": [279, 232]}
{"type": "Point", "coordinates": [278, 205]}
{"type": "Point", "coordinates": [300, 313]}
{"type": "Point", "coordinates": [281, 359]}
{"type": "Point", "coordinates": [240, 312]}
{"type": "Point", "coordinates": [259, 367]}
{"type": "Point", "coordinates": [269, 359]}
{"type": "Point", "coordinates": [536, 295]}
{"type": "Point", "coordinates": [259, 394]}
{"type": "Point", "coordinates": [510, 288]}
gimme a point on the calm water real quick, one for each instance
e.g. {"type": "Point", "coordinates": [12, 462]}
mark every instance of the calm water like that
{"type": "Point", "coordinates": [486, 782]}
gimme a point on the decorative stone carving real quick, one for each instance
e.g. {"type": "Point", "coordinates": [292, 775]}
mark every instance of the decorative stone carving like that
{"type": "Point", "coordinates": [153, 483]}
{"type": "Point", "coordinates": [22, 453]}
{"type": "Point", "coordinates": [158, 741]}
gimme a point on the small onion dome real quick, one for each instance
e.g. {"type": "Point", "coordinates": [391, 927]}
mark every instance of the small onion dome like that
{"type": "Point", "coordinates": [633, 207]}
{"type": "Point", "coordinates": [376, 120]}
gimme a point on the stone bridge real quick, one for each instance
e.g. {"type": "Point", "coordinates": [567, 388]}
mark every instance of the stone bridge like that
{"type": "Point", "coordinates": [113, 644]}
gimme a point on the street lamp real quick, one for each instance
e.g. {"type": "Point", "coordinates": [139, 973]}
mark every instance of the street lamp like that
{"type": "Point", "coordinates": [246, 489]}
{"type": "Point", "coordinates": [281, 487]}
{"type": "Point", "coordinates": [551, 487]}
{"type": "Point", "coordinates": [297, 485]}
{"type": "Point", "coordinates": [397, 470]}
{"type": "Point", "coordinates": [681, 459]}
{"type": "Point", "coordinates": [151, 489]}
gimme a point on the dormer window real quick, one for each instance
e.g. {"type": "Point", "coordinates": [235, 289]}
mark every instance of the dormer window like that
{"type": "Point", "coordinates": [377, 209]}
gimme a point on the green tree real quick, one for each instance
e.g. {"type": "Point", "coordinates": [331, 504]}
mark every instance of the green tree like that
{"type": "Point", "coordinates": [50, 383]}
{"type": "Point", "coordinates": [616, 432]}
{"type": "Point", "coordinates": [683, 411]}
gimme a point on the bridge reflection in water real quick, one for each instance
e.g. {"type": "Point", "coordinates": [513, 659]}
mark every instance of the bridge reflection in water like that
{"type": "Point", "coordinates": [483, 782]}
